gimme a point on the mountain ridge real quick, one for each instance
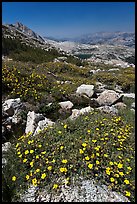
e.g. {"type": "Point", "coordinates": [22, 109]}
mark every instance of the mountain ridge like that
{"type": "Point", "coordinates": [111, 38]}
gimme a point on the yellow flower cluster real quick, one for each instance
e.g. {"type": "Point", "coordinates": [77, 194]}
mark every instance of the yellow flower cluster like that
{"type": "Point", "coordinates": [62, 169]}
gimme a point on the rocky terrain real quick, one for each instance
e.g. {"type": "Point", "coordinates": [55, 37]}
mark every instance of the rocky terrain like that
{"type": "Point", "coordinates": [67, 129]}
{"type": "Point", "coordinates": [111, 38]}
{"type": "Point", "coordinates": [109, 48]}
{"type": "Point", "coordinates": [103, 100]}
{"type": "Point", "coordinates": [117, 55]}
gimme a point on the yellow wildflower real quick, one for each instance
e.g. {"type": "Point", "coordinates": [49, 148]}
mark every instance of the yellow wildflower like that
{"type": "Point", "coordinates": [87, 158]}
{"type": "Point", "coordinates": [64, 161]}
{"type": "Point", "coordinates": [112, 179]}
{"type": "Point", "coordinates": [49, 168]}
{"type": "Point", "coordinates": [43, 152]}
{"type": "Point", "coordinates": [105, 155]}
{"type": "Point", "coordinates": [37, 170]}
{"type": "Point", "coordinates": [14, 178]}
{"type": "Point", "coordinates": [65, 126]}
{"type": "Point", "coordinates": [120, 165]}
{"type": "Point", "coordinates": [108, 168]}
{"type": "Point", "coordinates": [17, 145]}
{"type": "Point", "coordinates": [129, 168]}
{"type": "Point", "coordinates": [27, 177]}
{"type": "Point", "coordinates": [111, 163]}
{"type": "Point", "coordinates": [126, 181]}
{"type": "Point", "coordinates": [97, 154]}
{"type": "Point", "coordinates": [29, 142]}
{"type": "Point", "coordinates": [94, 141]}
{"type": "Point", "coordinates": [96, 148]}
{"type": "Point", "coordinates": [43, 175]}
{"type": "Point", "coordinates": [31, 151]}
{"type": "Point", "coordinates": [127, 193]}
{"type": "Point", "coordinates": [116, 175]}
{"type": "Point", "coordinates": [84, 144]}
{"type": "Point", "coordinates": [97, 162]}
{"type": "Point", "coordinates": [27, 152]}
{"type": "Point", "coordinates": [53, 161]}
{"type": "Point", "coordinates": [24, 160]}
{"type": "Point", "coordinates": [31, 173]}
{"type": "Point", "coordinates": [55, 186]}
{"type": "Point", "coordinates": [90, 166]}
{"type": "Point", "coordinates": [81, 151]}
{"type": "Point", "coordinates": [61, 147]}
{"type": "Point", "coordinates": [31, 164]}
{"type": "Point", "coordinates": [63, 169]}
{"type": "Point", "coordinates": [18, 152]}
{"type": "Point", "coordinates": [121, 173]}
{"type": "Point", "coordinates": [34, 182]}
{"type": "Point", "coordinates": [107, 172]}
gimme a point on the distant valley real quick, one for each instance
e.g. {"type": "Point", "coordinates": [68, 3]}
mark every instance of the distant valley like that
{"type": "Point", "coordinates": [115, 48]}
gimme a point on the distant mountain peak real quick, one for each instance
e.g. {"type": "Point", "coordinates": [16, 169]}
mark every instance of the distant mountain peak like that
{"type": "Point", "coordinates": [25, 30]}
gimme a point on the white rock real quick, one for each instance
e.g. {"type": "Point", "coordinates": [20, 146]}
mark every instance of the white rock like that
{"type": "Point", "coordinates": [32, 120]}
{"type": "Point", "coordinates": [42, 124]}
{"type": "Point", "coordinates": [11, 104]}
{"type": "Point", "coordinates": [16, 118]}
{"type": "Point", "coordinates": [133, 105]}
{"type": "Point", "coordinates": [118, 89]}
{"type": "Point", "coordinates": [100, 87]}
{"type": "Point", "coordinates": [108, 109]}
{"type": "Point", "coordinates": [76, 112]}
{"type": "Point", "coordinates": [129, 95]}
{"type": "Point", "coordinates": [119, 105]}
{"type": "Point", "coordinates": [6, 146]}
{"type": "Point", "coordinates": [86, 89]}
{"type": "Point", "coordinates": [114, 69]}
{"type": "Point", "coordinates": [29, 195]}
{"type": "Point", "coordinates": [66, 105]}
{"type": "Point", "coordinates": [95, 70]}
{"type": "Point", "coordinates": [83, 191]}
{"type": "Point", "coordinates": [4, 162]}
{"type": "Point", "coordinates": [133, 110]}
{"type": "Point", "coordinates": [108, 97]}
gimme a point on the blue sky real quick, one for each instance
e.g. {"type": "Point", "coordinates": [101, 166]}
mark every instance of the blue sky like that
{"type": "Point", "coordinates": [71, 19]}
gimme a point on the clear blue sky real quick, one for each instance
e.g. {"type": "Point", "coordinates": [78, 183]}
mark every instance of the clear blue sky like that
{"type": "Point", "coordinates": [71, 19]}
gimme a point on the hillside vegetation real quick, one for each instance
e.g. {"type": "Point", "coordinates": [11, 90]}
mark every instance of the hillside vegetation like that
{"type": "Point", "coordinates": [18, 51]}
{"type": "Point", "coordinates": [95, 145]}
